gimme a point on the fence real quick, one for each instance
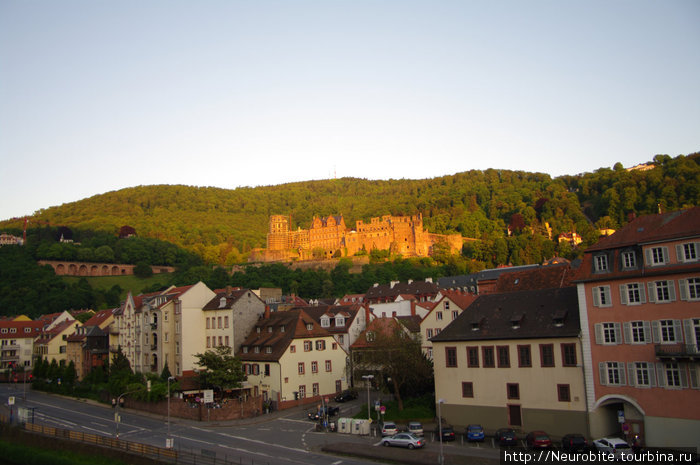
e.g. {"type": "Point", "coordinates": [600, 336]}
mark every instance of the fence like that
{"type": "Point", "coordinates": [159, 454]}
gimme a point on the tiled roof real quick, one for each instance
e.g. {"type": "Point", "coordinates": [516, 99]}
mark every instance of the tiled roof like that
{"type": "Point", "coordinates": [56, 330]}
{"type": "Point", "coordinates": [410, 322]}
{"type": "Point", "coordinates": [546, 277]}
{"type": "Point", "coordinates": [99, 317]}
{"type": "Point", "coordinates": [35, 328]}
{"type": "Point", "coordinates": [651, 228]}
{"type": "Point", "coordinates": [534, 311]}
{"type": "Point", "coordinates": [414, 288]}
{"type": "Point", "coordinates": [384, 326]}
{"type": "Point", "coordinates": [232, 296]}
{"type": "Point", "coordinates": [348, 311]}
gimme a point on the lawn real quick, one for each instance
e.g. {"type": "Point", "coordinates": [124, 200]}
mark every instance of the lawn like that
{"type": "Point", "coordinates": [414, 409]}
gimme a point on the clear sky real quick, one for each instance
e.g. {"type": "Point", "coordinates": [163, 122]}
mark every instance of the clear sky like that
{"type": "Point", "coordinates": [100, 95]}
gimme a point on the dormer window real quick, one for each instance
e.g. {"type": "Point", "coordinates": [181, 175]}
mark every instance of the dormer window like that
{"type": "Point", "coordinates": [14, 330]}
{"type": "Point", "coordinates": [558, 318]}
{"type": "Point", "coordinates": [245, 349]}
{"type": "Point", "coordinates": [268, 349]}
{"type": "Point", "coordinates": [369, 336]}
{"type": "Point", "coordinates": [282, 329]}
{"type": "Point", "coordinates": [629, 260]}
{"type": "Point", "coordinates": [339, 321]}
{"type": "Point", "coordinates": [222, 302]}
{"type": "Point", "coordinates": [600, 262]}
{"type": "Point", "coordinates": [258, 329]}
{"type": "Point", "coordinates": [27, 330]}
{"type": "Point", "coordinates": [256, 349]}
{"type": "Point", "coordinates": [325, 322]}
{"type": "Point", "coordinates": [309, 326]}
{"type": "Point", "coordinates": [269, 329]}
{"type": "Point", "coordinates": [516, 320]}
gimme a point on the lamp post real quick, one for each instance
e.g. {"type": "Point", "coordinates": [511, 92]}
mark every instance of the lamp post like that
{"type": "Point", "coordinates": [169, 440]}
{"type": "Point", "coordinates": [442, 457]}
{"type": "Point", "coordinates": [367, 379]}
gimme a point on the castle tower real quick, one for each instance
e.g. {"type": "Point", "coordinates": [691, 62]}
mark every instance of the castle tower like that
{"type": "Point", "coordinates": [278, 236]}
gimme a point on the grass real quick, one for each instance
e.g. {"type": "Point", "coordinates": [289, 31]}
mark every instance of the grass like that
{"type": "Point", "coordinates": [127, 283]}
{"type": "Point", "coordinates": [12, 453]}
{"type": "Point", "coordinates": [414, 409]}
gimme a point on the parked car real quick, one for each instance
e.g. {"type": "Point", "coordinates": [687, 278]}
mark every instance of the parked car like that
{"type": "Point", "coordinates": [389, 428]}
{"type": "Point", "coordinates": [409, 440]}
{"type": "Point", "coordinates": [332, 411]}
{"type": "Point", "coordinates": [415, 428]}
{"type": "Point", "coordinates": [346, 396]}
{"type": "Point", "coordinates": [506, 437]}
{"type": "Point", "coordinates": [538, 440]}
{"type": "Point", "coordinates": [448, 433]}
{"type": "Point", "coordinates": [615, 446]}
{"type": "Point", "coordinates": [475, 433]}
{"type": "Point", "coordinates": [574, 443]}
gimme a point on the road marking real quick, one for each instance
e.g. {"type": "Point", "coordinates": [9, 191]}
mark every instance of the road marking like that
{"type": "Point", "coordinates": [306, 422]}
{"type": "Point", "coordinates": [266, 444]}
{"type": "Point", "coordinates": [337, 463]}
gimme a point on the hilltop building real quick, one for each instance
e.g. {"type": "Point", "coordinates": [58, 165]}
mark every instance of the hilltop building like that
{"type": "Point", "coordinates": [329, 237]}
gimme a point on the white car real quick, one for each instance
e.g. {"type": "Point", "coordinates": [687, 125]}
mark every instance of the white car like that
{"type": "Point", "coordinates": [615, 446]}
{"type": "Point", "coordinates": [415, 428]}
{"type": "Point", "coordinates": [389, 428]}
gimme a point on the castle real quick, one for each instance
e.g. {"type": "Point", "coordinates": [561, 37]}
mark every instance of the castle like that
{"type": "Point", "coordinates": [329, 237]}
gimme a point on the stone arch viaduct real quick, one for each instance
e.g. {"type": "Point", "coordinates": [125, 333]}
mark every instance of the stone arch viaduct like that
{"type": "Point", "coordinates": [63, 268]}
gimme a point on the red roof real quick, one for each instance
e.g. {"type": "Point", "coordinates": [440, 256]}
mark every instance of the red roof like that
{"type": "Point", "coordinates": [34, 327]}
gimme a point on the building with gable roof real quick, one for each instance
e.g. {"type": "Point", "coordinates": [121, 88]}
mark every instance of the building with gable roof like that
{"type": "Point", "coordinates": [513, 359]}
{"type": "Point", "coordinates": [52, 343]}
{"type": "Point", "coordinates": [89, 346]}
{"type": "Point", "coordinates": [442, 312]}
{"type": "Point", "coordinates": [17, 342]}
{"type": "Point", "coordinates": [230, 316]}
{"type": "Point", "coordinates": [639, 295]}
{"type": "Point", "coordinates": [290, 359]}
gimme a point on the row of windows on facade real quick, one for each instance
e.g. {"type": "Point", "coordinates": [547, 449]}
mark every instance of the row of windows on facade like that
{"type": "Point", "coordinates": [14, 330]}
{"type": "Point", "coordinates": [668, 331]}
{"type": "Point", "coordinates": [308, 347]}
{"type": "Point", "coordinates": [491, 355]}
{"type": "Point", "coordinates": [512, 391]}
{"type": "Point", "coordinates": [254, 368]}
{"type": "Point", "coordinates": [326, 321]}
{"type": "Point", "coordinates": [315, 389]}
{"type": "Point", "coordinates": [658, 291]}
{"type": "Point", "coordinates": [671, 375]}
{"type": "Point", "coordinates": [216, 322]}
{"type": "Point", "coordinates": [655, 256]}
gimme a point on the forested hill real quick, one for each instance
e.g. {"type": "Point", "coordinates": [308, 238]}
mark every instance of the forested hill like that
{"type": "Point", "coordinates": [223, 225]}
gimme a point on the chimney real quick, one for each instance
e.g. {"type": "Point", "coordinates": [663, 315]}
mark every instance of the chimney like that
{"type": "Point", "coordinates": [413, 308]}
{"type": "Point", "coordinates": [393, 283]}
{"type": "Point", "coordinates": [376, 285]}
{"type": "Point", "coordinates": [428, 280]}
{"type": "Point", "coordinates": [410, 281]}
{"type": "Point", "coordinates": [267, 312]}
{"type": "Point", "coordinates": [228, 291]}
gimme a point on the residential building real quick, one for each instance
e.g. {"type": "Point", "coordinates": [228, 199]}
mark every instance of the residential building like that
{"type": "Point", "coordinates": [450, 305]}
{"type": "Point", "coordinates": [230, 316]}
{"type": "Point", "coordinates": [52, 343]}
{"type": "Point", "coordinates": [17, 342]}
{"type": "Point", "coordinates": [513, 359]}
{"type": "Point", "coordinates": [421, 291]}
{"type": "Point", "coordinates": [639, 295]}
{"type": "Point", "coordinates": [290, 359]}
{"type": "Point", "coordinates": [89, 346]}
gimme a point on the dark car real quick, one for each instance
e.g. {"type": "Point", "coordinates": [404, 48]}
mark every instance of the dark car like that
{"type": "Point", "coordinates": [574, 443]}
{"type": "Point", "coordinates": [448, 433]}
{"type": "Point", "coordinates": [506, 437]}
{"type": "Point", "coordinates": [538, 440]}
{"type": "Point", "coordinates": [475, 433]}
{"type": "Point", "coordinates": [346, 396]}
{"type": "Point", "coordinates": [332, 411]}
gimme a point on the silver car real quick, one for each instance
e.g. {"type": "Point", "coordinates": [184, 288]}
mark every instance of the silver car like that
{"type": "Point", "coordinates": [415, 428]}
{"type": "Point", "coordinates": [409, 440]}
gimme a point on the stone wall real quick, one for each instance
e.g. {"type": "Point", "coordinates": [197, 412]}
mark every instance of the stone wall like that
{"type": "Point", "coordinates": [62, 268]}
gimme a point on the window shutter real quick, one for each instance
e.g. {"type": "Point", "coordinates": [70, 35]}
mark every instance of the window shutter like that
{"type": "Point", "coordinates": [694, 376]}
{"type": "Point", "coordinates": [652, 374]}
{"type": "Point", "coordinates": [647, 332]}
{"type": "Point", "coordinates": [632, 373]}
{"type": "Point", "coordinates": [680, 256]}
{"type": "Point", "coordinates": [656, 331]}
{"type": "Point", "coordinates": [647, 252]}
{"type": "Point", "coordinates": [608, 298]}
{"type": "Point", "coordinates": [623, 294]}
{"type": "Point", "coordinates": [596, 297]}
{"type": "Point", "coordinates": [683, 288]}
{"type": "Point", "coordinates": [664, 254]}
{"type": "Point", "coordinates": [618, 334]}
{"type": "Point", "coordinates": [621, 372]}
{"type": "Point", "coordinates": [627, 330]}
{"type": "Point", "coordinates": [602, 373]}
{"type": "Point", "coordinates": [599, 333]}
{"type": "Point", "coordinates": [684, 375]}
{"type": "Point", "coordinates": [660, 375]}
{"type": "Point", "coordinates": [689, 332]}
{"type": "Point", "coordinates": [671, 290]}
{"type": "Point", "coordinates": [642, 293]}
{"type": "Point", "coordinates": [677, 331]}
{"type": "Point", "coordinates": [652, 292]}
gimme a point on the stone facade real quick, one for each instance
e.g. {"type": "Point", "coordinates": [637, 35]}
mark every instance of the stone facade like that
{"type": "Point", "coordinates": [329, 237]}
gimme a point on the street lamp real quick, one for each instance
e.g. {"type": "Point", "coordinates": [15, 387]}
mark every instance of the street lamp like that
{"type": "Point", "coordinates": [367, 378]}
{"type": "Point", "coordinates": [442, 457]}
{"type": "Point", "coordinates": [168, 440]}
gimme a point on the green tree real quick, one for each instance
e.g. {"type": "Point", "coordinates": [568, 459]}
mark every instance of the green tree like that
{"type": "Point", "coordinates": [220, 369]}
{"type": "Point", "coordinates": [143, 270]}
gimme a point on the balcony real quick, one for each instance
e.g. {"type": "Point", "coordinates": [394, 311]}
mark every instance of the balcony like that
{"type": "Point", "coordinates": [154, 346]}
{"type": "Point", "coordinates": [154, 326]}
{"type": "Point", "coordinates": [677, 352]}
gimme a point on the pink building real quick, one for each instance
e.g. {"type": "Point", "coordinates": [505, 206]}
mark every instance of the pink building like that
{"type": "Point", "coordinates": [639, 299]}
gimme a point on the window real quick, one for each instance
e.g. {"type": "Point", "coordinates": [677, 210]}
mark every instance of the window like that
{"type": "Point", "coordinates": [165, 337]}
{"type": "Point", "coordinates": [688, 252]}
{"type": "Point", "coordinates": [314, 367]}
{"type": "Point", "coordinates": [632, 294]}
{"type": "Point", "coordinates": [321, 345]}
{"type": "Point", "coordinates": [334, 346]}
{"type": "Point", "coordinates": [438, 316]}
{"type": "Point", "coordinates": [667, 331]}
{"type": "Point", "coordinates": [473, 357]}
{"type": "Point", "coordinates": [208, 324]}
{"type": "Point", "coordinates": [503, 356]}
{"type": "Point", "coordinates": [428, 333]}
{"type": "Point", "coordinates": [369, 335]}
{"type": "Point", "coordinates": [467, 389]}
{"type": "Point", "coordinates": [218, 324]}
{"type": "Point", "coordinates": [455, 314]}
{"type": "Point", "coordinates": [611, 373]}
{"type": "Point", "coordinates": [661, 291]}
{"type": "Point", "coordinates": [547, 355]}
{"type": "Point", "coordinates": [329, 365]}
{"type": "Point", "coordinates": [256, 349]}
{"type": "Point", "coordinates": [221, 341]}
{"type": "Point", "coordinates": [608, 333]}
{"type": "Point", "coordinates": [690, 288]}
{"type": "Point", "coordinates": [269, 329]}
{"type": "Point", "coordinates": [568, 355]}
{"type": "Point", "coordinates": [674, 376]}
{"type": "Point", "coordinates": [524, 356]}
{"type": "Point", "coordinates": [447, 305]}
{"type": "Point", "coordinates": [301, 368]}
{"type": "Point", "coordinates": [629, 260]}
{"type": "Point", "coordinates": [450, 357]}
{"type": "Point", "coordinates": [600, 262]}
{"type": "Point", "coordinates": [292, 349]}
{"type": "Point", "coordinates": [340, 321]}
{"type": "Point", "coordinates": [325, 322]}
{"type": "Point", "coordinates": [245, 349]}
{"type": "Point", "coordinates": [601, 296]}
{"type": "Point", "coordinates": [487, 356]}
{"type": "Point", "coordinates": [226, 322]}
{"type": "Point", "coordinates": [637, 332]}
{"type": "Point", "coordinates": [268, 349]}
{"type": "Point", "coordinates": [208, 342]}
{"type": "Point", "coordinates": [315, 389]}
{"type": "Point", "coordinates": [307, 346]}
{"type": "Point", "coordinates": [564, 392]}
{"type": "Point", "coordinates": [641, 374]}
{"type": "Point", "coordinates": [177, 347]}
{"type": "Point", "coordinates": [302, 391]}
{"type": "Point", "coordinates": [657, 256]}
{"type": "Point", "coordinates": [309, 326]}
{"type": "Point", "coordinates": [267, 369]}
{"type": "Point", "coordinates": [513, 390]}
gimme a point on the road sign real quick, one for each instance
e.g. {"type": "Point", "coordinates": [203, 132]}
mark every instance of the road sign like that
{"type": "Point", "coordinates": [620, 416]}
{"type": "Point", "coordinates": [208, 396]}
{"type": "Point", "coordinates": [11, 400]}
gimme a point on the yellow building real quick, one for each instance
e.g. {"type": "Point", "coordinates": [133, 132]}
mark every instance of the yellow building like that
{"type": "Point", "coordinates": [52, 343]}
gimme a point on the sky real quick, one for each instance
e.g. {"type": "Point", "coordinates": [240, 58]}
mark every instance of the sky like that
{"type": "Point", "coordinates": [99, 95]}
